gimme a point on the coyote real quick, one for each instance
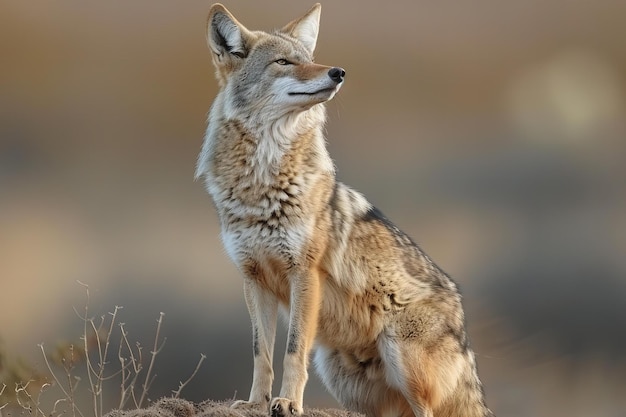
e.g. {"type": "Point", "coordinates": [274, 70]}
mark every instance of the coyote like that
{"type": "Point", "coordinates": [386, 323]}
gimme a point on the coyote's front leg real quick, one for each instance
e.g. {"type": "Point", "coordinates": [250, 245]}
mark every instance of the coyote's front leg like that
{"type": "Point", "coordinates": [262, 307]}
{"type": "Point", "coordinates": [303, 315]}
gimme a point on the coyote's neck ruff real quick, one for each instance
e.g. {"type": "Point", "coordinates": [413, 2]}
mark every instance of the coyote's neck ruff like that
{"type": "Point", "coordinates": [386, 322]}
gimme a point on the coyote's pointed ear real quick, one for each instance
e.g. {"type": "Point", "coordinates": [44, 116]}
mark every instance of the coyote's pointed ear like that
{"type": "Point", "coordinates": [225, 35]}
{"type": "Point", "coordinates": [306, 28]}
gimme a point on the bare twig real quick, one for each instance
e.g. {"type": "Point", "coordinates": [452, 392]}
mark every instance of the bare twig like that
{"type": "Point", "coordinates": [68, 395]}
{"type": "Point", "coordinates": [155, 351]}
{"type": "Point", "coordinates": [4, 386]}
{"type": "Point", "coordinates": [90, 371]}
{"type": "Point", "coordinates": [68, 366]}
{"type": "Point", "coordinates": [103, 357]}
{"type": "Point", "coordinates": [184, 384]}
{"type": "Point", "coordinates": [131, 368]}
{"type": "Point", "coordinates": [32, 405]}
{"type": "Point", "coordinates": [54, 411]}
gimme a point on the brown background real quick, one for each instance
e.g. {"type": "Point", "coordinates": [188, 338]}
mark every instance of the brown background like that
{"type": "Point", "coordinates": [493, 132]}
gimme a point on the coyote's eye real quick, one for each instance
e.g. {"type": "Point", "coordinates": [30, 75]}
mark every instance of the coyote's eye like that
{"type": "Point", "coordinates": [283, 62]}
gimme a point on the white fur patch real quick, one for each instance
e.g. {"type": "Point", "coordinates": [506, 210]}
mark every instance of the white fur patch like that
{"type": "Point", "coordinates": [392, 360]}
{"type": "Point", "coordinates": [291, 91]}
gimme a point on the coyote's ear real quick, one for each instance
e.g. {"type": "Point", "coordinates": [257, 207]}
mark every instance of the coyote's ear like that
{"type": "Point", "coordinates": [225, 35]}
{"type": "Point", "coordinates": [306, 28]}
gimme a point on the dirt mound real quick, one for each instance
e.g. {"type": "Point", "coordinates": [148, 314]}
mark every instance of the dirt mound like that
{"type": "Point", "coordinates": [174, 407]}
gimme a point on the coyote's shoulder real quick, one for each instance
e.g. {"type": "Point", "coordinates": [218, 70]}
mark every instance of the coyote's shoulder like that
{"type": "Point", "coordinates": [386, 323]}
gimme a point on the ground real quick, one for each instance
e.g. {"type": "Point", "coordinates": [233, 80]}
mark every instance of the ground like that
{"type": "Point", "coordinates": [174, 407]}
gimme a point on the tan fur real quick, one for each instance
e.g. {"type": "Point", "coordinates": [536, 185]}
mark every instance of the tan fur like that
{"type": "Point", "coordinates": [386, 322]}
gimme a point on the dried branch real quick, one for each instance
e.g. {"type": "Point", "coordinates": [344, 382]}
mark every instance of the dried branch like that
{"type": "Point", "coordinates": [184, 384]}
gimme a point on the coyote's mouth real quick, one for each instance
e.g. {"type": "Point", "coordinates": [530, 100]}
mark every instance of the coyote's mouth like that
{"type": "Point", "coordinates": [313, 93]}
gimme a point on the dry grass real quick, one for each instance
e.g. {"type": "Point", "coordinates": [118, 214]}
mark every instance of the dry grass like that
{"type": "Point", "coordinates": [105, 355]}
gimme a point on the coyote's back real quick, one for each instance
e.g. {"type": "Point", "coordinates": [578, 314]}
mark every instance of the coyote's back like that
{"type": "Point", "coordinates": [386, 323]}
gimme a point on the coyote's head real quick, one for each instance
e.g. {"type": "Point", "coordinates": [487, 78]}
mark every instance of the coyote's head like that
{"type": "Point", "coordinates": [267, 76]}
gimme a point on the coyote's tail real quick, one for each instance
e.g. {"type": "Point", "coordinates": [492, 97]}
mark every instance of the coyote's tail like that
{"type": "Point", "coordinates": [468, 399]}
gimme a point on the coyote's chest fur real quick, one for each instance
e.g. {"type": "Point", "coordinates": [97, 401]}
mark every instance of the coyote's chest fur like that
{"type": "Point", "coordinates": [262, 190]}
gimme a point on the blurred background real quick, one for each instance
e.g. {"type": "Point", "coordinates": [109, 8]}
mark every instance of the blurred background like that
{"type": "Point", "coordinates": [493, 132]}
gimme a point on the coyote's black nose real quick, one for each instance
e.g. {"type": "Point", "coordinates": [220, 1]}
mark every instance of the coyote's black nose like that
{"type": "Point", "coordinates": [336, 74]}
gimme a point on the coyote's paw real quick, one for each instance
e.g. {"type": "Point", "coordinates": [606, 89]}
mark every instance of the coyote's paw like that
{"type": "Point", "coordinates": [283, 407]}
